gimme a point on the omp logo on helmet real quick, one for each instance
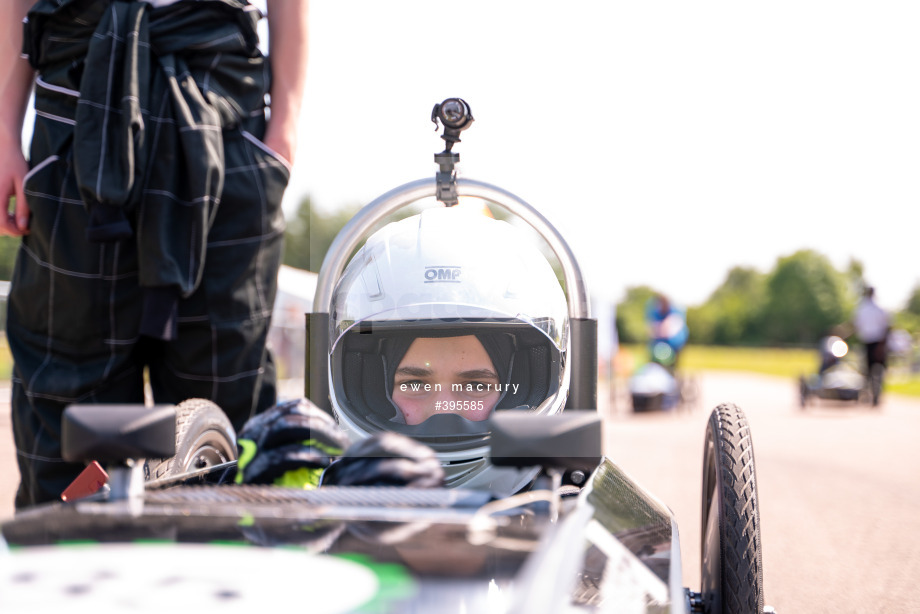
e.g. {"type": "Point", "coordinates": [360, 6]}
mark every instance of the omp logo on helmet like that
{"type": "Point", "coordinates": [442, 274]}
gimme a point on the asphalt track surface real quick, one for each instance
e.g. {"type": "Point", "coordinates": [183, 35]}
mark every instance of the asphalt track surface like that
{"type": "Point", "coordinates": [839, 488]}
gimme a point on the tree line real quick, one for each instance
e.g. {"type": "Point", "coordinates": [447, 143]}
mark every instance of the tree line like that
{"type": "Point", "coordinates": [796, 303]}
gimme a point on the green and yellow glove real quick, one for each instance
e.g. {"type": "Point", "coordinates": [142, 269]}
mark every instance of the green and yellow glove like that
{"type": "Point", "coordinates": [288, 445]}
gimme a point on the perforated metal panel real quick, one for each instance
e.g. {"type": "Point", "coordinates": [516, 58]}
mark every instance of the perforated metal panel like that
{"type": "Point", "coordinates": [364, 496]}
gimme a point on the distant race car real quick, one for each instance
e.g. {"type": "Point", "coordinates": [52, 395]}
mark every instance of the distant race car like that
{"type": "Point", "coordinates": [177, 534]}
{"type": "Point", "coordinates": [654, 387]}
{"type": "Point", "coordinates": [838, 379]}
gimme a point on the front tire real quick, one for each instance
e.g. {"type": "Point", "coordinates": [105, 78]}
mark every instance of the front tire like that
{"type": "Point", "coordinates": [732, 570]}
{"type": "Point", "coordinates": [204, 438]}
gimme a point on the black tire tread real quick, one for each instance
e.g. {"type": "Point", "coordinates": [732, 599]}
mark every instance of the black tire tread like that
{"type": "Point", "coordinates": [742, 565]}
{"type": "Point", "coordinates": [187, 414]}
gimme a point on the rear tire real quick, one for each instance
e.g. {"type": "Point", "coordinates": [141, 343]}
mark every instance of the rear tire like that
{"type": "Point", "coordinates": [204, 438]}
{"type": "Point", "coordinates": [732, 570]}
{"type": "Point", "coordinates": [646, 403]}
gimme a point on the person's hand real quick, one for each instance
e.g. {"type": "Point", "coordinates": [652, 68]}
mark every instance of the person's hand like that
{"type": "Point", "coordinates": [387, 459]}
{"type": "Point", "coordinates": [282, 143]}
{"type": "Point", "coordinates": [288, 445]}
{"type": "Point", "coordinates": [16, 77]}
{"type": "Point", "coordinates": [14, 218]}
{"type": "Point", "coordinates": [288, 26]}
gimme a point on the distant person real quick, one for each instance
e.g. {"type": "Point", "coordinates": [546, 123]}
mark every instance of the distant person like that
{"type": "Point", "coordinates": [871, 325]}
{"type": "Point", "coordinates": [668, 330]}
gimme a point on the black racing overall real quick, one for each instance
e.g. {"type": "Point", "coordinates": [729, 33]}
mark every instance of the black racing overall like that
{"type": "Point", "coordinates": [156, 230]}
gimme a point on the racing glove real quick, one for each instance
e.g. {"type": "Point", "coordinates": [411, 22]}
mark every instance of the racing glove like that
{"type": "Point", "coordinates": [288, 445]}
{"type": "Point", "coordinates": [386, 459]}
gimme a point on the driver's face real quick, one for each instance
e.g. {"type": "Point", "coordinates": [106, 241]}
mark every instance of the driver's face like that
{"type": "Point", "coordinates": [445, 375]}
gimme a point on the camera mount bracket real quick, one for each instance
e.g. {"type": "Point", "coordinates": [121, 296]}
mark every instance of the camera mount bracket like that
{"type": "Point", "coordinates": [455, 115]}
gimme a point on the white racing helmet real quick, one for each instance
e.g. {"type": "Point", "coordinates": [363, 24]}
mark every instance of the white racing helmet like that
{"type": "Point", "coordinates": [448, 272]}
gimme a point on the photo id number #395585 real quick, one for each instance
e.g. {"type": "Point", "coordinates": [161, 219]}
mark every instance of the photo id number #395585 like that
{"type": "Point", "coordinates": [458, 406]}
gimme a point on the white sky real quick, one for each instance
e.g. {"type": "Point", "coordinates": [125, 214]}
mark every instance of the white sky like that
{"type": "Point", "coordinates": [668, 141]}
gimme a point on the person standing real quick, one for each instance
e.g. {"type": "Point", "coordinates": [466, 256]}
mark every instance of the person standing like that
{"type": "Point", "coordinates": [668, 332]}
{"type": "Point", "coordinates": [872, 325]}
{"type": "Point", "coordinates": [149, 208]}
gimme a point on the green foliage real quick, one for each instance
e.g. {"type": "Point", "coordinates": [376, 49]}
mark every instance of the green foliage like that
{"type": "Point", "coordinates": [855, 276]}
{"type": "Point", "coordinates": [310, 233]}
{"type": "Point", "coordinates": [796, 303]}
{"type": "Point", "coordinates": [9, 246]}
{"type": "Point", "coordinates": [913, 302]}
{"type": "Point", "coordinates": [732, 313]}
{"type": "Point", "coordinates": [631, 326]}
{"type": "Point", "coordinates": [6, 360]}
{"type": "Point", "coordinates": [907, 321]}
{"type": "Point", "coordinates": [805, 298]}
{"type": "Point", "coordinates": [909, 317]}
